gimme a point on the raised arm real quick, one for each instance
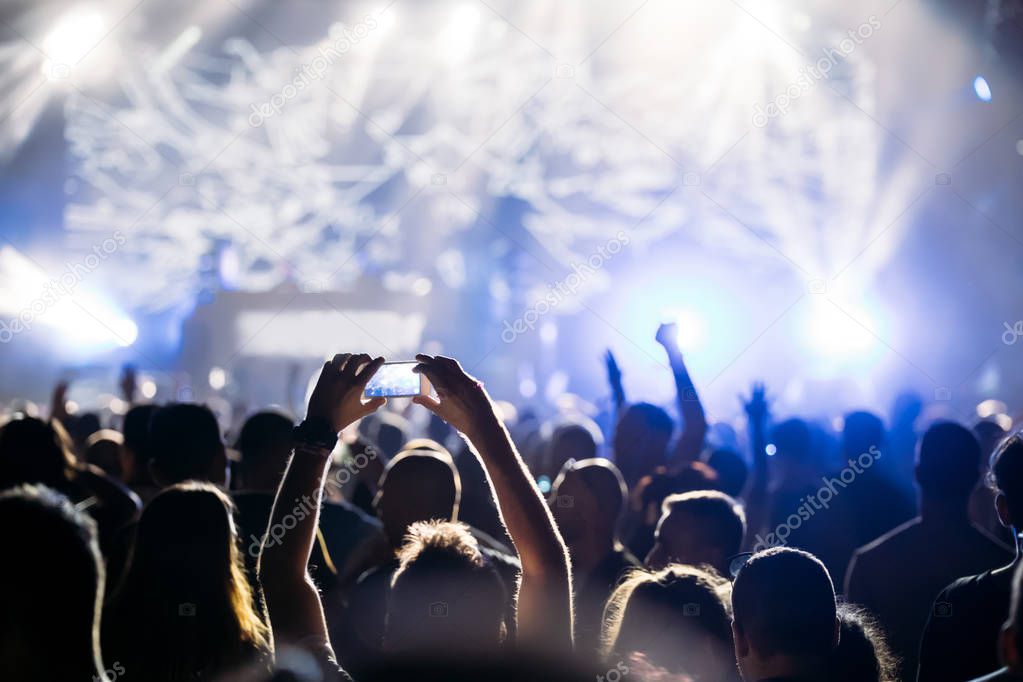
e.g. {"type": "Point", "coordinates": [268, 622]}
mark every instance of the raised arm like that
{"type": "Point", "coordinates": [296, 613]}
{"type": "Point", "coordinates": [694, 422]}
{"type": "Point", "coordinates": [614, 379]}
{"type": "Point", "coordinates": [544, 604]}
{"type": "Point", "coordinates": [756, 495]}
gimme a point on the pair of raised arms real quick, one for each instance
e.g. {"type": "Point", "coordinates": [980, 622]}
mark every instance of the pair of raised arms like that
{"type": "Point", "coordinates": [544, 607]}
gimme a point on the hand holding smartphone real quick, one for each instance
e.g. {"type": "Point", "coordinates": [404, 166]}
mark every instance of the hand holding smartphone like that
{"type": "Point", "coordinates": [396, 379]}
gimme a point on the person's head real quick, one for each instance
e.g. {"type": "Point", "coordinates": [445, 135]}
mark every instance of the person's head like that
{"type": "Point", "coordinates": [265, 444]}
{"type": "Point", "coordinates": [51, 588]}
{"type": "Point", "coordinates": [575, 440]}
{"type": "Point", "coordinates": [677, 617]}
{"type": "Point", "coordinates": [948, 465]}
{"type": "Point", "coordinates": [587, 499]}
{"type": "Point", "coordinates": [35, 451]}
{"type": "Point", "coordinates": [417, 485]}
{"type": "Point", "coordinates": [80, 427]}
{"type": "Point", "coordinates": [731, 469]}
{"type": "Point", "coordinates": [135, 455]}
{"type": "Point", "coordinates": [445, 595]}
{"type": "Point", "coordinates": [184, 440]}
{"type": "Point", "coordinates": [704, 527]}
{"type": "Point", "coordinates": [1005, 477]}
{"type": "Point", "coordinates": [389, 431]}
{"type": "Point", "coordinates": [793, 442]}
{"type": "Point", "coordinates": [103, 449]}
{"type": "Point", "coordinates": [861, 432]}
{"type": "Point", "coordinates": [641, 440]}
{"type": "Point", "coordinates": [862, 654]}
{"type": "Point", "coordinates": [989, 434]}
{"type": "Point", "coordinates": [784, 614]}
{"type": "Point", "coordinates": [1010, 643]}
{"type": "Point", "coordinates": [906, 410]}
{"type": "Point", "coordinates": [185, 580]}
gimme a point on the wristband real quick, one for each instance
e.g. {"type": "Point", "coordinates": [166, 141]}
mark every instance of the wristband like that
{"type": "Point", "coordinates": [316, 432]}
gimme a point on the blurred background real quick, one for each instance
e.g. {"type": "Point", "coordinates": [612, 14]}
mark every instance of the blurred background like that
{"type": "Point", "coordinates": [824, 195]}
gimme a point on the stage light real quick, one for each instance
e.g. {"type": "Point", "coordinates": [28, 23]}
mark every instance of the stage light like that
{"type": "Point", "coordinates": [125, 331]}
{"type": "Point", "coordinates": [217, 378]}
{"type": "Point", "coordinates": [148, 389]}
{"type": "Point", "coordinates": [771, 449]}
{"type": "Point", "coordinates": [386, 17]}
{"type": "Point", "coordinates": [548, 333]}
{"type": "Point", "coordinates": [460, 33]}
{"type": "Point", "coordinates": [835, 332]}
{"type": "Point", "coordinates": [981, 87]}
{"type": "Point", "coordinates": [71, 39]}
{"type": "Point", "coordinates": [422, 286]}
{"type": "Point", "coordinates": [690, 330]}
{"type": "Point", "coordinates": [991, 407]}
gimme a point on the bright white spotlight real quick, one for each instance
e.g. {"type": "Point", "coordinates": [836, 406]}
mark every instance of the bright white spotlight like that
{"type": "Point", "coordinates": [691, 329]}
{"type": "Point", "coordinates": [832, 332]}
{"type": "Point", "coordinates": [460, 33]}
{"type": "Point", "coordinates": [218, 378]}
{"type": "Point", "coordinates": [386, 17]}
{"type": "Point", "coordinates": [991, 407]}
{"type": "Point", "coordinates": [981, 87]}
{"type": "Point", "coordinates": [124, 331]}
{"type": "Point", "coordinates": [74, 35]}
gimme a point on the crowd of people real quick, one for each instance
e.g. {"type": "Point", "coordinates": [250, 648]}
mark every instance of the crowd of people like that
{"type": "Point", "coordinates": [499, 546]}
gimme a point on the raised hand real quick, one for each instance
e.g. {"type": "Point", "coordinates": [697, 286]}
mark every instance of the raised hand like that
{"type": "Point", "coordinates": [667, 336]}
{"type": "Point", "coordinates": [128, 384]}
{"type": "Point", "coordinates": [544, 600]}
{"type": "Point", "coordinates": [337, 396]}
{"type": "Point", "coordinates": [614, 377]}
{"type": "Point", "coordinates": [756, 406]}
{"type": "Point", "coordinates": [461, 399]}
{"type": "Point", "coordinates": [58, 402]}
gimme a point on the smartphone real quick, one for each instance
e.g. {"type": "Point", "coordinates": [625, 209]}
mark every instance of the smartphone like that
{"type": "Point", "coordinates": [395, 379]}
